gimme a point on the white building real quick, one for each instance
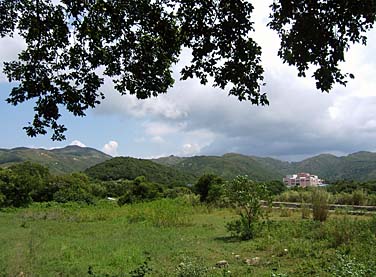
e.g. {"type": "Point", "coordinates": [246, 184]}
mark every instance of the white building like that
{"type": "Point", "coordinates": [302, 180]}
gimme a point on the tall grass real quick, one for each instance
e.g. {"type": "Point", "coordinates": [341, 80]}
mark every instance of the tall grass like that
{"type": "Point", "coordinates": [320, 204]}
{"type": "Point", "coordinates": [162, 213]}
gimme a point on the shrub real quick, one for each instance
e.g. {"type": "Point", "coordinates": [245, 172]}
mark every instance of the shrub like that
{"type": "Point", "coordinates": [245, 195]}
{"type": "Point", "coordinates": [73, 194]}
{"type": "Point", "coordinates": [126, 198]}
{"type": "Point", "coordinates": [177, 192]}
{"type": "Point", "coordinates": [285, 212]}
{"type": "Point", "coordinates": [15, 189]}
{"type": "Point", "coordinates": [143, 190]}
{"type": "Point", "coordinates": [208, 187]}
{"type": "Point", "coordinates": [73, 188]}
{"type": "Point", "coordinates": [2, 199]}
{"type": "Point", "coordinates": [320, 207]}
{"type": "Point", "coordinates": [143, 270]}
{"type": "Point", "coordinates": [372, 200]}
{"type": "Point", "coordinates": [275, 187]}
{"type": "Point", "coordinates": [289, 196]}
{"type": "Point", "coordinates": [97, 190]}
{"type": "Point", "coordinates": [343, 198]}
{"type": "Point", "coordinates": [306, 212]}
{"type": "Point", "coordinates": [340, 231]}
{"type": "Point", "coordinates": [359, 197]}
{"type": "Point", "coordinates": [372, 224]}
{"type": "Point", "coordinates": [347, 266]}
{"type": "Point", "coordinates": [117, 188]}
{"type": "Point", "coordinates": [191, 267]}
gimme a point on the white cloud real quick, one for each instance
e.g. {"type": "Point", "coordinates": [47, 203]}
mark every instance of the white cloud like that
{"type": "Point", "coordinates": [190, 149]}
{"type": "Point", "coordinates": [9, 49]}
{"type": "Point", "coordinates": [162, 128]}
{"type": "Point", "coordinates": [157, 139]}
{"type": "Point", "coordinates": [77, 143]}
{"type": "Point", "coordinates": [111, 148]}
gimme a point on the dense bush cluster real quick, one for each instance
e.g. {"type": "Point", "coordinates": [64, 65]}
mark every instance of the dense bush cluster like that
{"type": "Point", "coordinates": [23, 183]}
{"type": "Point", "coordinates": [27, 182]}
{"type": "Point", "coordinates": [355, 197]}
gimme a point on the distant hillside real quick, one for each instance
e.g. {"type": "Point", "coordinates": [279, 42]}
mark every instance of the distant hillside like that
{"type": "Point", "coordinates": [130, 168]}
{"type": "Point", "coordinates": [227, 166]}
{"type": "Point", "coordinates": [59, 161]}
{"type": "Point", "coordinates": [360, 166]}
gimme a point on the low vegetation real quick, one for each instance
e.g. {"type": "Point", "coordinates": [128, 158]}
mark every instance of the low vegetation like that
{"type": "Point", "coordinates": [74, 225]}
{"type": "Point", "coordinates": [178, 237]}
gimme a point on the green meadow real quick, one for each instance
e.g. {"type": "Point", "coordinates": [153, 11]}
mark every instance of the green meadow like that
{"type": "Point", "coordinates": [179, 237]}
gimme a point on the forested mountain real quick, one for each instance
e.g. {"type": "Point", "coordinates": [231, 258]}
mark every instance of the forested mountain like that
{"type": "Point", "coordinates": [130, 168]}
{"type": "Point", "coordinates": [360, 166]}
{"type": "Point", "coordinates": [227, 166]}
{"type": "Point", "coordinates": [60, 160]}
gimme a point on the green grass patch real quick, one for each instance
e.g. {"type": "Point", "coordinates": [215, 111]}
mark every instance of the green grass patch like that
{"type": "Point", "coordinates": [180, 239]}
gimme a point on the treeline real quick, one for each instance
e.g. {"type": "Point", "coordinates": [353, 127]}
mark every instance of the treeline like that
{"type": "Point", "coordinates": [27, 182]}
{"type": "Point", "coordinates": [340, 192]}
{"type": "Point", "coordinates": [24, 183]}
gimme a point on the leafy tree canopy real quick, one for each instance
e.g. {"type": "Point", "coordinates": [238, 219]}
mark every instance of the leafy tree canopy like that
{"type": "Point", "coordinates": [136, 42]}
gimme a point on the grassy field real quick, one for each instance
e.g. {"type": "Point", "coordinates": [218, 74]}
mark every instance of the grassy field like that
{"type": "Point", "coordinates": [180, 240]}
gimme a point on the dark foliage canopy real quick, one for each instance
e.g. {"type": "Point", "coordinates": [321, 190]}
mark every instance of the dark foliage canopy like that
{"type": "Point", "coordinates": [72, 45]}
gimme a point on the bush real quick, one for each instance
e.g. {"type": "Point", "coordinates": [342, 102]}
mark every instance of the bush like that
{"type": "Point", "coordinates": [275, 187]}
{"type": "Point", "coordinates": [143, 190]}
{"type": "Point", "coordinates": [117, 188]}
{"type": "Point", "coordinates": [73, 194]}
{"type": "Point", "coordinates": [177, 192]}
{"type": "Point", "coordinates": [320, 207]}
{"type": "Point", "coordinates": [343, 198]}
{"type": "Point", "coordinates": [191, 267]}
{"type": "Point", "coordinates": [33, 176]}
{"type": "Point", "coordinates": [2, 199]}
{"type": "Point", "coordinates": [359, 197]}
{"type": "Point", "coordinates": [346, 266]}
{"type": "Point", "coordinates": [285, 212]}
{"type": "Point", "coordinates": [306, 212]}
{"type": "Point", "coordinates": [289, 196]}
{"type": "Point", "coordinates": [16, 190]}
{"type": "Point", "coordinates": [341, 231]}
{"type": "Point", "coordinates": [73, 188]}
{"type": "Point", "coordinates": [209, 187]}
{"type": "Point", "coordinates": [245, 195]}
{"type": "Point", "coordinates": [126, 198]}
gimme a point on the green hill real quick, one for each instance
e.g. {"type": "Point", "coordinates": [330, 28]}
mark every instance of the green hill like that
{"type": "Point", "coordinates": [360, 166]}
{"type": "Point", "coordinates": [227, 166]}
{"type": "Point", "coordinates": [59, 161]}
{"type": "Point", "coordinates": [130, 168]}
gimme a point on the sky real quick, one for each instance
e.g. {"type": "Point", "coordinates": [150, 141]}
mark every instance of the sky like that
{"type": "Point", "coordinates": [192, 119]}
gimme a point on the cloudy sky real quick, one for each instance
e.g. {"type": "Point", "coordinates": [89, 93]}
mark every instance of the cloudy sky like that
{"type": "Point", "coordinates": [192, 119]}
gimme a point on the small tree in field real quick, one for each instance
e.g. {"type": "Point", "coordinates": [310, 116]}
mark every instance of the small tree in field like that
{"type": "Point", "coordinates": [245, 195]}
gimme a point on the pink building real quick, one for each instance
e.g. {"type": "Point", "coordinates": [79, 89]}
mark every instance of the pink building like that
{"type": "Point", "coordinates": [302, 179]}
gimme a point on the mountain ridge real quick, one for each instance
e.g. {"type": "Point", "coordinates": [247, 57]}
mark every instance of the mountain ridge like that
{"type": "Point", "coordinates": [359, 166]}
{"type": "Point", "coordinates": [68, 159]}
